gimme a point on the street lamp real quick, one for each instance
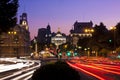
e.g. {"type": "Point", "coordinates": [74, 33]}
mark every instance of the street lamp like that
{"type": "Point", "coordinates": [89, 31]}
{"type": "Point", "coordinates": [11, 33]}
{"type": "Point", "coordinates": [16, 41]}
{"type": "Point", "coordinates": [114, 29]}
{"type": "Point", "coordinates": [36, 48]}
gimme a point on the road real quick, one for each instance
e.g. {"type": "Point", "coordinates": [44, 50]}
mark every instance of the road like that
{"type": "Point", "coordinates": [21, 74]}
{"type": "Point", "coordinates": [88, 69]}
{"type": "Point", "coordinates": [95, 71]}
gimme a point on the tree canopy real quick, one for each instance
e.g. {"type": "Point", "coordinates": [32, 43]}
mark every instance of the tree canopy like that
{"type": "Point", "coordinates": [8, 12]}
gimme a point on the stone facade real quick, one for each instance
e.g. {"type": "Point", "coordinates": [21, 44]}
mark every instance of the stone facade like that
{"type": "Point", "coordinates": [16, 42]}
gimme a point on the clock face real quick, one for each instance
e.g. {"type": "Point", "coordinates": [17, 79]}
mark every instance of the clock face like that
{"type": "Point", "coordinates": [24, 23]}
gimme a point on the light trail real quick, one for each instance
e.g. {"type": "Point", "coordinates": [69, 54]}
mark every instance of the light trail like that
{"type": "Point", "coordinates": [19, 73]}
{"type": "Point", "coordinates": [27, 77]}
{"type": "Point", "coordinates": [20, 77]}
{"type": "Point", "coordinates": [114, 66]}
{"type": "Point", "coordinates": [109, 67]}
{"type": "Point", "coordinates": [98, 77]}
{"type": "Point", "coordinates": [100, 69]}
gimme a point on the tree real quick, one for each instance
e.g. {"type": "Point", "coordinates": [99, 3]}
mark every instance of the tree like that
{"type": "Point", "coordinates": [117, 34]}
{"type": "Point", "coordinates": [118, 28]}
{"type": "Point", "coordinates": [101, 35]}
{"type": "Point", "coordinates": [8, 11]}
{"type": "Point", "coordinates": [100, 30]}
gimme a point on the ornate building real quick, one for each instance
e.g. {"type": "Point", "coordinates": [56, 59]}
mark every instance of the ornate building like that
{"type": "Point", "coordinates": [81, 30]}
{"type": "Point", "coordinates": [79, 27]}
{"type": "Point", "coordinates": [16, 42]}
{"type": "Point", "coordinates": [58, 39]}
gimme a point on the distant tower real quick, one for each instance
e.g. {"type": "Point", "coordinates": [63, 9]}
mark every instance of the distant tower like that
{"type": "Point", "coordinates": [48, 29]}
{"type": "Point", "coordinates": [23, 21]}
{"type": "Point", "coordinates": [44, 35]}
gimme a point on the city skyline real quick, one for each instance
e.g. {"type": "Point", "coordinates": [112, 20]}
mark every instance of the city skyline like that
{"type": "Point", "coordinates": [63, 13]}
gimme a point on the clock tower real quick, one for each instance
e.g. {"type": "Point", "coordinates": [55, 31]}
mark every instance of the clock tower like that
{"type": "Point", "coordinates": [23, 21]}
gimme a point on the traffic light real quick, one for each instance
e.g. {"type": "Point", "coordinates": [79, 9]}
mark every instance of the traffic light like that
{"type": "Point", "coordinates": [75, 54]}
{"type": "Point", "coordinates": [60, 54]}
{"type": "Point", "coordinates": [110, 40]}
{"type": "Point", "coordinates": [68, 53]}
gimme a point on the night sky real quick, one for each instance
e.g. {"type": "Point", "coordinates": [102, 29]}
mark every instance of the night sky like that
{"type": "Point", "coordinates": [63, 13]}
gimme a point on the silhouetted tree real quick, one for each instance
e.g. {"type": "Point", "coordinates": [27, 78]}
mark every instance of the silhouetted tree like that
{"type": "Point", "coordinates": [101, 35]}
{"type": "Point", "coordinates": [117, 35]}
{"type": "Point", "coordinates": [8, 11]}
{"type": "Point", "coordinates": [118, 28]}
{"type": "Point", "coordinates": [100, 30]}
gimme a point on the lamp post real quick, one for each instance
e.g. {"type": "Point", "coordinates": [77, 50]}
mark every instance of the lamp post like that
{"type": "Point", "coordinates": [35, 41]}
{"type": "Point", "coordinates": [114, 35]}
{"type": "Point", "coordinates": [16, 41]}
{"type": "Point", "coordinates": [89, 31]}
{"type": "Point", "coordinates": [11, 33]}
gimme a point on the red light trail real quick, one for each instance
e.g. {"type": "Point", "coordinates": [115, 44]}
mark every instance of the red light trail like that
{"type": "Point", "coordinates": [101, 72]}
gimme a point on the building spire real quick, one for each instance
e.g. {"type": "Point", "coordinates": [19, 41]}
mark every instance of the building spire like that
{"type": "Point", "coordinates": [58, 29]}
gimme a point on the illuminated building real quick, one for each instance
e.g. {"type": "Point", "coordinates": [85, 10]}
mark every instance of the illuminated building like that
{"type": "Point", "coordinates": [81, 30]}
{"type": "Point", "coordinates": [16, 42]}
{"type": "Point", "coordinates": [79, 27]}
{"type": "Point", "coordinates": [58, 39]}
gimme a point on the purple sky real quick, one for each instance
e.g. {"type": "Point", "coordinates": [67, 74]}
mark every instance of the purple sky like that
{"type": "Point", "coordinates": [63, 13]}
